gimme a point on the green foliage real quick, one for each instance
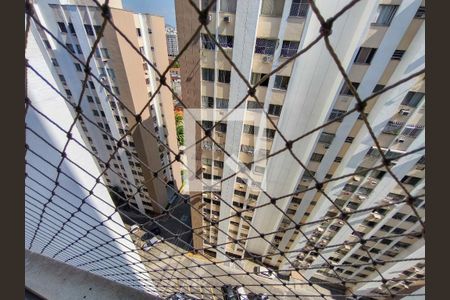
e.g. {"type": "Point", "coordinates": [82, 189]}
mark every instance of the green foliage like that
{"type": "Point", "coordinates": [180, 134]}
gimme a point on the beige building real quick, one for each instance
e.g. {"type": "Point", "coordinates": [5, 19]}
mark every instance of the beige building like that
{"type": "Point", "coordinates": [384, 45]}
{"type": "Point", "coordinates": [131, 79]}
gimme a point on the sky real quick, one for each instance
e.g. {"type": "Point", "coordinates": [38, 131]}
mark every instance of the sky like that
{"type": "Point", "coordinates": [165, 8]}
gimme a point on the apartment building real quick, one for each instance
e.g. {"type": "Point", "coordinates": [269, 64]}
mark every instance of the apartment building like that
{"type": "Point", "coordinates": [128, 78]}
{"type": "Point", "coordinates": [172, 41]}
{"type": "Point", "coordinates": [378, 43]}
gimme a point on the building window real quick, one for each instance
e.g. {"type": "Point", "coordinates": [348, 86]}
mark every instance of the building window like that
{"type": "Point", "coordinates": [224, 76]}
{"type": "Point", "coordinates": [256, 77]}
{"type": "Point", "coordinates": [289, 48]}
{"type": "Point", "coordinates": [274, 109]}
{"type": "Point", "coordinates": [398, 54]}
{"type": "Point", "coordinates": [247, 149]}
{"type": "Point", "coordinates": [205, 4]}
{"type": "Point", "coordinates": [207, 74]}
{"type": "Point", "coordinates": [89, 29]}
{"type": "Point", "coordinates": [62, 27]}
{"type": "Point", "coordinates": [70, 47]}
{"type": "Point", "coordinates": [138, 30]}
{"type": "Point", "coordinates": [207, 42]}
{"type": "Point", "coordinates": [207, 102]}
{"type": "Point", "coordinates": [91, 84]}
{"type": "Point", "coordinates": [393, 127]}
{"type": "Point", "coordinates": [95, 112]}
{"type": "Point", "coordinates": [79, 49]}
{"type": "Point", "coordinates": [412, 130]}
{"type": "Point", "coordinates": [326, 138]}
{"type": "Point", "coordinates": [250, 129]}
{"type": "Point", "coordinates": [55, 62]}
{"type": "Point", "coordinates": [377, 88]}
{"type": "Point", "coordinates": [63, 79]}
{"type": "Point", "coordinates": [281, 82]}
{"type": "Point", "coordinates": [317, 157]}
{"type": "Point", "coordinates": [105, 52]}
{"type": "Point", "coordinates": [90, 99]}
{"type": "Point", "coordinates": [412, 99]}
{"type": "Point", "coordinates": [336, 113]}
{"type": "Point", "coordinates": [385, 14]}
{"type": "Point", "coordinates": [365, 55]}
{"type": "Point", "coordinates": [272, 8]}
{"type": "Point", "coordinates": [265, 46]}
{"type": "Point", "coordinates": [111, 73]}
{"type": "Point", "coordinates": [226, 41]}
{"type": "Point", "coordinates": [47, 44]}
{"type": "Point", "coordinates": [221, 103]}
{"type": "Point", "coordinates": [420, 14]}
{"type": "Point", "coordinates": [221, 127]}
{"type": "Point", "coordinates": [299, 8]}
{"type": "Point", "coordinates": [69, 93]}
{"type": "Point", "coordinates": [228, 6]}
{"type": "Point", "coordinates": [252, 105]}
{"type": "Point", "coordinates": [78, 67]}
{"type": "Point", "coordinates": [71, 28]}
{"type": "Point", "coordinates": [269, 133]}
{"type": "Point", "coordinates": [346, 90]}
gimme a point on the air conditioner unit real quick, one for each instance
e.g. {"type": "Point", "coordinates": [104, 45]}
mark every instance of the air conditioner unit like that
{"type": "Point", "coordinates": [227, 19]}
{"type": "Point", "coordinates": [400, 140]}
{"type": "Point", "coordinates": [267, 58]}
{"type": "Point", "coordinates": [241, 186]}
{"type": "Point", "coordinates": [209, 17]}
{"type": "Point", "coordinates": [404, 112]}
{"type": "Point", "coordinates": [326, 146]}
{"type": "Point", "coordinates": [373, 182]}
{"type": "Point", "coordinates": [361, 197]}
{"type": "Point", "coordinates": [105, 60]}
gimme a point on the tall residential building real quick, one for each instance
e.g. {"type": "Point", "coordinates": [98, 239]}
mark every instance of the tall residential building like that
{"type": "Point", "coordinates": [378, 44]}
{"type": "Point", "coordinates": [54, 226]}
{"type": "Point", "coordinates": [129, 78]}
{"type": "Point", "coordinates": [172, 41]}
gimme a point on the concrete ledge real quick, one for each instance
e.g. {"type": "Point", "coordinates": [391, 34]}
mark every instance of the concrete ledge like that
{"type": "Point", "coordinates": [56, 280]}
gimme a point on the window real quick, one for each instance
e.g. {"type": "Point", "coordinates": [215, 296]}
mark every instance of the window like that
{"type": "Point", "coordinates": [207, 42]}
{"type": "Point", "coordinates": [218, 163]}
{"type": "Point", "coordinates": [299, 8]}
{"type": "Point", "coordinates": [138, 30]}
{"type": "Point", "coordinates": [224, 76]}
{"type": "Point", "coordinates": [412, 99]}
{"type": "Point", "coordinates": [247, 149]}
{"type": "Point", "coordinates": [252, 105]}
{"type": "Point", "coordinates": [90, 99]}
{"type": "Point", "coordinates": [62, 27]}
{"type": "Point", "coordinates": [71, 28]}
{"type": "Point", "coordinates": [272, 8]}
{"type": "Point", "coordinates": [365, 55]}
{"type": "Point", "coordinates": [256, 77]}
{"type": "Point", "coordinates": [386, 228]}
{"type": "Point", "coordinates": [47, 44]}
{"type": "Point", "coordinates": [97, 29]}
{"type": "Point", "coordinates": [250, 129]}
{"type": "Point", "coordinates": [398, 54]}
{"type": "Point", "coordinates": [228, 6]}
{"type": "Point", "coordinates": [111, 73]}
{"type": "Point", "coordinates": [221, 127]}
{"type": "Point", "coordinates": [207, 74]}
{"type": "Point", "coordinates": [393, 127]}
{"type": "Point", "coordinates": [349, 139]}
{"type": "Point", "coordinates": [289, 48]}
{"type": "Point", "coordinates": [398, 231]}
{"type": "Point", "coordinates": [70, 47]}
{"type": "Point", "coordinates": [265, 46]}
{"type": "Point", "coordinates": [377, 88]}
{"type": "Point", "coordinates": [377, 174]}
{"type": "Point", "coordinates": [79, 49]}
{"type": "Point", "coordinates": [317, 157]}
{"type": "Point", "coordinates": [221, 103]}
{"type": "Point", "coordinates": [420, 14]}
{"type": "Point", "coordinates": [69, 93]}
{"type": "Point", "coordinates": [259, 169]}
{"type": "Point", "coordinates": [55, 62]}
{"type": "Point", "coordinates": [335, 113]}
{"type": "Point", "coordinates": [281, 82]}
{"type": "Point", "coordinates": [410, 180]}
{"type": "Point", "coordinates": [226, 41]}
{"type": "Point", "coordinates": [350, 188]}
{"type": "Point", "coordinates": [326, 138]}
{"type": "Point", "coordinates": [207, 102]}
{"type": "Point", "coordinates": [78, 67]}
{"type": "Point", "coordinates": [239, 193]}
{"type": "Point", "coordinates": [105, 52]}
{"type": "Point", "coordinates": [274, 109]}
{"type": "Point", "coordinates": [205, 5]}
{"type": "Point", "coordinates": [412, 130]}
{"type": "Point", "coordinates": [269, 133]}
{"type": "Point", "coordinates": [385, 14]}
{"type": "Point", "coordinates": [63, 79]}
{"type": "Point", "coordinates": [95, 112]}
{"type": "Point", "coordinates": [412, 219]}
{"type": "Point", "coordinates": [346, 90]}
{"type": "Point", "coordinates": [88, 29]}
{"type": "Point", "coordinates": [91, 84]}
